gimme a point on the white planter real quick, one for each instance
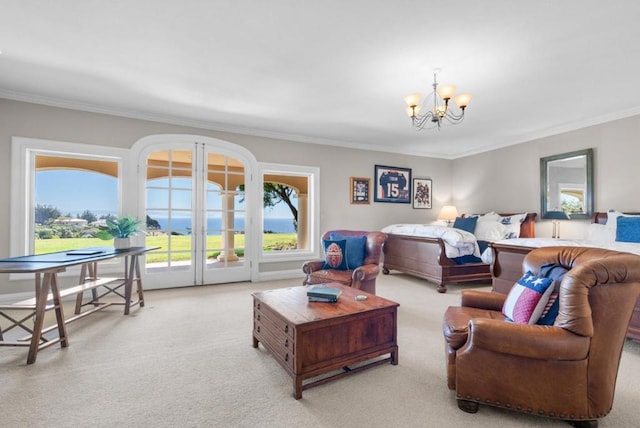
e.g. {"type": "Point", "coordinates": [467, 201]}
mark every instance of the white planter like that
{"type": "Point", "coordinates": [122, 243]}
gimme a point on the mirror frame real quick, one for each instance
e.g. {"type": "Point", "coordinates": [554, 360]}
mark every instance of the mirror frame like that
{"type": "Point", "coordinates": [544, 180]}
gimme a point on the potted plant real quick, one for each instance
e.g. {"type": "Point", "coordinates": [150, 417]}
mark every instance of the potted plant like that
{"type": "Point", "coordinates": [120, 229]}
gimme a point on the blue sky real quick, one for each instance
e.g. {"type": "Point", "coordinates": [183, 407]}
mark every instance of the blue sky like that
{"type": "Point", "coordinates": [73, 192]}
{"type": "Point", "coordinates": [76, 191]}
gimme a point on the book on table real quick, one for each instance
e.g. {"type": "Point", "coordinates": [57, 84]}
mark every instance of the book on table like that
{"type": "Point", "coordinates": [323, 294]}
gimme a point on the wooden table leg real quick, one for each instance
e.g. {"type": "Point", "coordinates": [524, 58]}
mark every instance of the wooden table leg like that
{"type": "Point", "coordinates": [129, 272]}
{"type": "Point", "coordinates": [79, 297]}
{"type": "Point", "coordinates": [43, 285]}
{"type": "Point", "coordinates": [57, 304]}
{"type": "Point", "coordinates": [138, 280]}
{"type": "Point", "coordinates": [42, 289]}
{"type": "Point", "coordinates": [394, 357]}
{"type": "Point", "coordinates": [297, 387]}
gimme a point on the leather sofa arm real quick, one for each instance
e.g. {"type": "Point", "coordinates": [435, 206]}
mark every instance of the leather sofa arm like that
{"type": "Point", "coordinates": [312, 266]}
{"type": "Point", "coordinates": [531, 341]}
{"type": "Point", "coordinates": [483, 300]}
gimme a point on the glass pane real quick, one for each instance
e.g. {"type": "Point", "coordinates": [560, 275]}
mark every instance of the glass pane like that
{"type": "Point", "coordinates": [179, 223]}
{"type": "Point", "coordinates": [182, 182]}
{"type": "Point", "coordinates": [182, 160]}
{"type": "Point", "coordinates": [156, 174]}
{"type": "Point", "coordinates": [280, 222]}
{"type": "Point", "coordinates": [157, 198]}
{"type": "Point", "coordinates": [181, 199]}
{"type": "Point", "coordinates": [67, 208]}
{"type": "Point", "coordinates": [214, 200]}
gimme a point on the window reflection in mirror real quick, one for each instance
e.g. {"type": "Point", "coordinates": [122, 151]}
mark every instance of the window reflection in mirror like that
{"type": "Point", "coordinates": [566, 184]}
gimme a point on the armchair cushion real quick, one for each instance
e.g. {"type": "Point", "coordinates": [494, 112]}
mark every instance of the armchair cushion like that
{"type": "Point", "coordinates": [355, 249]}
{"type": "Point", "coordinates": [527, 299]}
{"type": "Point", "coordinates": [334, 254]}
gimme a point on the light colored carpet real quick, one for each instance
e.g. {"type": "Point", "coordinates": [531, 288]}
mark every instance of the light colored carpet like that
{"type": "Point", "coordinates": [186, 360]}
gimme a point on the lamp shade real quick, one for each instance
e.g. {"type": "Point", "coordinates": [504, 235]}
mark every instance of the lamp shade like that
{"type": "Point", "coordinates": [446, 91]}
{"type": "Point", "coordinates": [556, 215]}
{"type": "Point", "coordinates": [448, 213]}
{"type": "Point", "coordinates": [462, 100]}
{"type": "Point", "coordinates": [412, 100]}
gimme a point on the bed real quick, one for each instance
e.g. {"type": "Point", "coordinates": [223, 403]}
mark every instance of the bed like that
{"type": "Point", "coordinates": [426, 257]}
{"type": "Point", "coordinates": [507, 256]}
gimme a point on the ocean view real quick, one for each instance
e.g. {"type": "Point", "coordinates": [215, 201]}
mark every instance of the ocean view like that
{"type": "Point", "coordinates": [183, 225]}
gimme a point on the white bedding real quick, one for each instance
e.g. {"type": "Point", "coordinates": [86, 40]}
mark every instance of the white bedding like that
{"type": "Point", "coordinates": [626, 247]}
{"type": "Point", "coordinates": [457, 242]}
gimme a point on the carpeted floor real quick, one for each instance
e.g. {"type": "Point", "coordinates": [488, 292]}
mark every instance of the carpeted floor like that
{"type": "Point", "coordinates": [186, 360]}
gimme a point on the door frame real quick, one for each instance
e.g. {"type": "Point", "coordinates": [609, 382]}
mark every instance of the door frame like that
{"type": "Point", "coordinates": [144, 146]}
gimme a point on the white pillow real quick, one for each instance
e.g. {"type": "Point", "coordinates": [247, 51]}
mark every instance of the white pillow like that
{"type": "Point", "coordinates": [512, 225]}
{"type": "Point", "coordinates": [490, 231]}
{"type": "Point", "coordinates": [490, 216]}
{"type": "Point", "coordinates": [601, 233]}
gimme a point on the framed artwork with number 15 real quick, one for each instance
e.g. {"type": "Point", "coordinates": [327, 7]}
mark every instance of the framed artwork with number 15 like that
{"type": "Point", "coordinates": [392, 184]}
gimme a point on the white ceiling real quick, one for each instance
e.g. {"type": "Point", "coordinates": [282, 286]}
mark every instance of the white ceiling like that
{"type": "Point", "coordinates": [330, 71]}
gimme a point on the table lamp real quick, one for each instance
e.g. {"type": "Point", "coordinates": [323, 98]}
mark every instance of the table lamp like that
{"type": "Point", "coordinates": [448, 214]}
{"type": "Point", "coordinates": [556, 216]}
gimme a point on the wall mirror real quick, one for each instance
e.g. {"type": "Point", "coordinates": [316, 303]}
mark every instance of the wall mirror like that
{"type": "Point", "coordinates": [566, 185]}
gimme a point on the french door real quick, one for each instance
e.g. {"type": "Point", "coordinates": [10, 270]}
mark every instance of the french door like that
{"type": "Point", "coordinates": [195, 203]}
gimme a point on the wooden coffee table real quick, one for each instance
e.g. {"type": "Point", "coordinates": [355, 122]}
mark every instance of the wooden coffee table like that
{"type": "Point", "coordinates": [309, 339]}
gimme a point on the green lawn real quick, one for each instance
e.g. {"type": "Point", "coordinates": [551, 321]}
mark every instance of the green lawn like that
{"type": "Point", "coordinates": [272, 242]}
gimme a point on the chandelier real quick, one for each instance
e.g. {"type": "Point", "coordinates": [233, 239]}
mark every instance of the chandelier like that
{"type": "Point", "coordinates": [440, 110]}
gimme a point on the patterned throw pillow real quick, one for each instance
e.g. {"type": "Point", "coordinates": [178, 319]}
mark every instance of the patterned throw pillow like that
{"type": "Point", "coordinates": [512, 225]}
{"type": "Point", "coordinates": [555, 272]}
{"type": "Point", "coordinates": [356, 248]}
{"type": "Point", "coordinates": [527, 299]}
{"type": "Point", "coordinates": [334, 254]}
{"type": "Point", "coordinates": [550, 311]}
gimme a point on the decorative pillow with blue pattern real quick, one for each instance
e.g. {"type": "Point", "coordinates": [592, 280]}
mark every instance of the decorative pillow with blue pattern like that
{"type": "Point", "coordinates": [512, 224]}
{"type": "Point", "coordinates": [356, 248]}
{"type": "Point", "coordinates": [334, 254]}
{"type": "Point", "coordinates": [527, 299]}
{"type": "Point", "coordinates": [556, 272]}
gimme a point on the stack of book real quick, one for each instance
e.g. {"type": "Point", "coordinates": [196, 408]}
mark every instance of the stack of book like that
{"type": "Point", "coordinates": [323, 294]}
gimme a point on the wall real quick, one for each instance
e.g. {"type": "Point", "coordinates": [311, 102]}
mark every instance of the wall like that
{"type": "Point", "coordinates": [508, 179]}
{"type": "Point", "coordinates": [504, 180]}
{"type": "Point", "coordinates": [336, 164]}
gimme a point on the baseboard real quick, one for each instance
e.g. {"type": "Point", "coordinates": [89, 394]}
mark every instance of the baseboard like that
{"type": "Point", "coordinates": [281, 274]}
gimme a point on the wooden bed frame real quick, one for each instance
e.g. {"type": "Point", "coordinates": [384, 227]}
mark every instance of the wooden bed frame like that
{"type": "Point", "coordinates": [506, 268]}
{"type": "Point", "coordinates": [426, 258]}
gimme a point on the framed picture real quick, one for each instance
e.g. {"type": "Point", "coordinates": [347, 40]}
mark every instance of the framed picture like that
{"type": "Point", "coordinates": [392, 184]}
{"type": "Point", "coordinates": [421, 193]}
{"type": "Point", "coordinates": [360, 190]}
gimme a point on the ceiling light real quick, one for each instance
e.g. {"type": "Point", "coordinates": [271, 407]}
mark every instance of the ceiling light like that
{"type": "Point", "coordinates": [440, 110]}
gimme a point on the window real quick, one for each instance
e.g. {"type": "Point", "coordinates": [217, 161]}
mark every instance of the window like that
{"type": "Point", "coordinates": [55, 205]}
{"type": "Point", "coordinates": [290, 210]}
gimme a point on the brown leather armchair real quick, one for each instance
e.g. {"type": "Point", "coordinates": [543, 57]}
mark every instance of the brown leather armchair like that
{"type": "Point", "coordinates": [363, 277]}
{"type": "Point", "coordinates": [564, 371]}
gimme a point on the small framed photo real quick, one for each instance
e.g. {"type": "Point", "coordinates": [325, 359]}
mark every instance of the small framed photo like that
{"type": "Point", "coordinates": [421, 193]}
{"type": "Point", "coordinates": [392, 184]}
{"type": "Point", "coordinates": [360, 190]}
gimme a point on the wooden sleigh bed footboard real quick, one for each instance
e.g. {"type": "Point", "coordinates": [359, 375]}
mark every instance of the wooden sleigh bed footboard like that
{"type": "Point", "coordinates": [426, 258]}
